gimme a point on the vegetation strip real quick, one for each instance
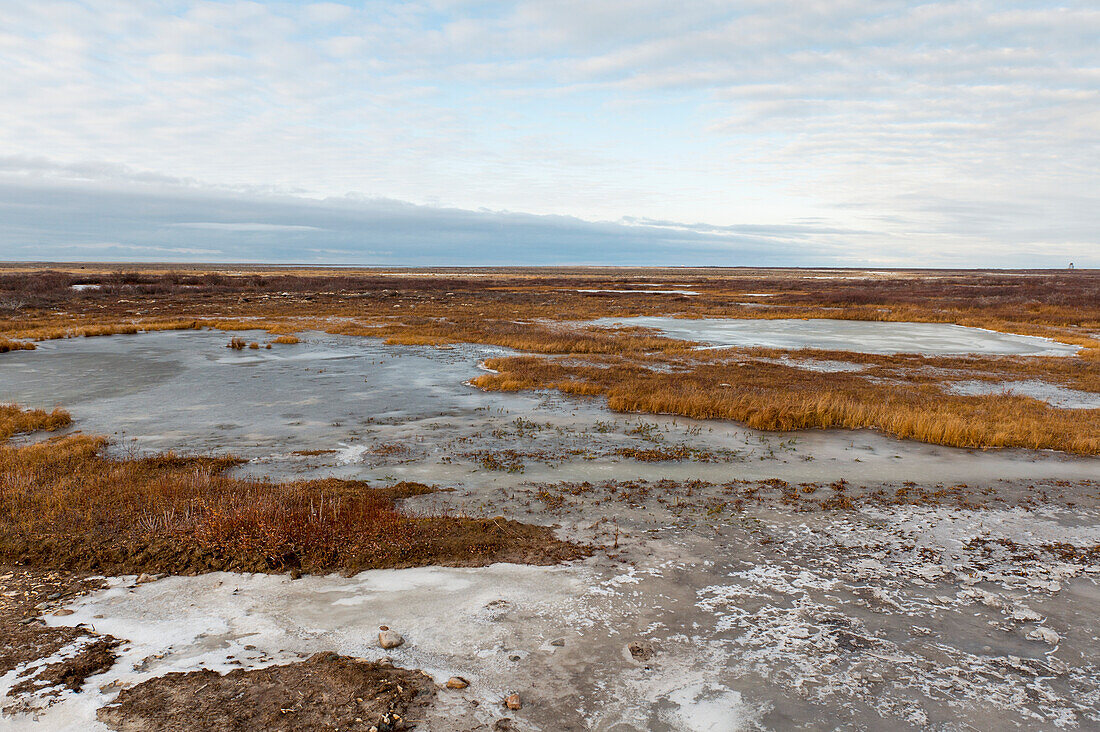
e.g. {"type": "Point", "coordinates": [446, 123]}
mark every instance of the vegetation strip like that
{"type": "Point", "coordinates": [63, 504]}
{"type": "Point", "coordinates": [771, 396]}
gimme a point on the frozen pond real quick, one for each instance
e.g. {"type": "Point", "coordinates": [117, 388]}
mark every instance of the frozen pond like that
{"type": "Point", "coordinates": [650, 292]}
{"type": "Point", "coordinates": [933, 339]}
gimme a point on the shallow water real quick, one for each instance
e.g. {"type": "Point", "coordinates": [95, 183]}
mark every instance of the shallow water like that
{"type": "Point", "coordinates": [932, 339]}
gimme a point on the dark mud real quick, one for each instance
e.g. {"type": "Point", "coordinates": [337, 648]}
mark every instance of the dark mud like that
{"type": "Point", "coordinates": [325, 692]}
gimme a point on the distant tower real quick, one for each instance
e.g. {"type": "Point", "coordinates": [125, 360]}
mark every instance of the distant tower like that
{"type": "Point", "coordinates": [1071, 266]}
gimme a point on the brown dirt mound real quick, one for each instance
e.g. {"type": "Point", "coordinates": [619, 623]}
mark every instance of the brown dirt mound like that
{"type": "Point", "coordinates": [326, 691]}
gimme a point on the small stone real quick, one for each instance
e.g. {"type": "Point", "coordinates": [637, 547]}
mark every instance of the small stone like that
{"type": "Point", "coordinates": [640, 651]}
{"type": "Point", "coordinates": [559, 642]}
{"type": "Point", "coordinates": [63, 612]}
{"type": "Point", "coordinates": [144, 578]}
{"type": "Point", "coordinates": [512, 702]}
{"type": "Point", "coordinates": [513, 658]}
{"type": "Point", "coordinates": [1046, 635]}
{"type": "Point", "coordinates": [390, 639]}
{"type": "Point", "coordinates": [457, 682]}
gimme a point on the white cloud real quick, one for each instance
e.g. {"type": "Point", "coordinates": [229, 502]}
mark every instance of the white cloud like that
{"type": "Point", "coordinates": [757, 112]}
{"type": "Point", "coordinates": [243, 226]}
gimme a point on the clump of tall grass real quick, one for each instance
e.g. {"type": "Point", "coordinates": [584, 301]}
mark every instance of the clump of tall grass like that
{"type": "Point", "coordinates": [10, 345]}
{"type": "Point", "coordinates": [286, 339]}
{"type": "Point", "coordinates": [237, 344]}
{"type": "Point", "coordinates": [14, 420]}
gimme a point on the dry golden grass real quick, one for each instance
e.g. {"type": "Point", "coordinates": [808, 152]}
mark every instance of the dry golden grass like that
{"type": "Point", "coordinates": [771, 396]}
{"type": "Point", "coordinates": [287, 339]}
{"type": "Point", "coordinates": [10, 345]}
{"type": "Point", "coordinates": [14, 420]}
{"type": "Point", "coordinates": [63, 503]}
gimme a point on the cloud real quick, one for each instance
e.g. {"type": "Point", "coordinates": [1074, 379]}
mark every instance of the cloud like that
{"type": "Point", "coordinates": [49, 220]}
{"type": "Point", "coordinates": [115, 248]}
{"type": "Point", "coordinates": [243, 226]}
{"type": "Point", "coordinates": [933, 125]}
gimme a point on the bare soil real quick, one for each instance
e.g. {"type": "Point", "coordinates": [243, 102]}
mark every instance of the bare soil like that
{"type": "Point", "coordinates": [24, 595]}
{"type": "Point", "coordinates": [325, 692]}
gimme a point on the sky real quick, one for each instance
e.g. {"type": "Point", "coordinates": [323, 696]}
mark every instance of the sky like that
{"type": "Point", "coordinates": [622, 132]}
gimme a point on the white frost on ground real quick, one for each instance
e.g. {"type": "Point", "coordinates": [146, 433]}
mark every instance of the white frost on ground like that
{"type": "Point", "coordinates": [798, 627]}
{"type": "Point", "coordinates": [467, 622]}
{"type": "Point", "coordinates": [350, 454]}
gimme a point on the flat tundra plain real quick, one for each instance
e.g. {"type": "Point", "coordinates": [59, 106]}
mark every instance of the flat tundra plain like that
{"type": "Point", "coordinates": [545, 499]}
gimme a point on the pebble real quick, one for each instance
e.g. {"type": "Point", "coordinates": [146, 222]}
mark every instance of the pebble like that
{"type": "Point", "coordinates": [457, 682]}
{"type": "Point", "coordinates": [390, 639]}
{"type": "Point", "coordinates": [559, 642]}
{"type": "Point", "coordinates": [63, 612]}
{"type": "Point", "coordinates": [640, 651]}
{"type": "Point", "coordinates": [512, 702]}
{"type": "Point", "coordinates": [1044, 634]}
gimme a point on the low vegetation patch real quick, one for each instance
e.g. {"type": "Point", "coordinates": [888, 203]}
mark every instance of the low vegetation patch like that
{"type": "Point", "coordinates": [64, 503]}
{"type": "Point", "coordinates": [7, 344]}
{"type": "Point", "coordinates": [14, 420]}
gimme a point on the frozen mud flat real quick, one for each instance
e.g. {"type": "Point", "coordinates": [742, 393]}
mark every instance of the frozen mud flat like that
{"type": "Point", "coordinates": [933, 339]}
{"type": "Point", "coordinates": [698, 614]}
{"type": "Point", "coordinates": [911, 617]}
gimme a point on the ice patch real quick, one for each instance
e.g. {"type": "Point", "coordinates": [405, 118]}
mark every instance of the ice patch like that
{"type": "Point", "coordinates": [650, 292]}
{"type": "Point", "coordinates": [350, 454]}
{"type": "Point", "coordinates": [709, 708]}
{"type": "Point", "coordinates": [1052, 394]}
{"type": "Point", "coordinates": [848, 335]}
